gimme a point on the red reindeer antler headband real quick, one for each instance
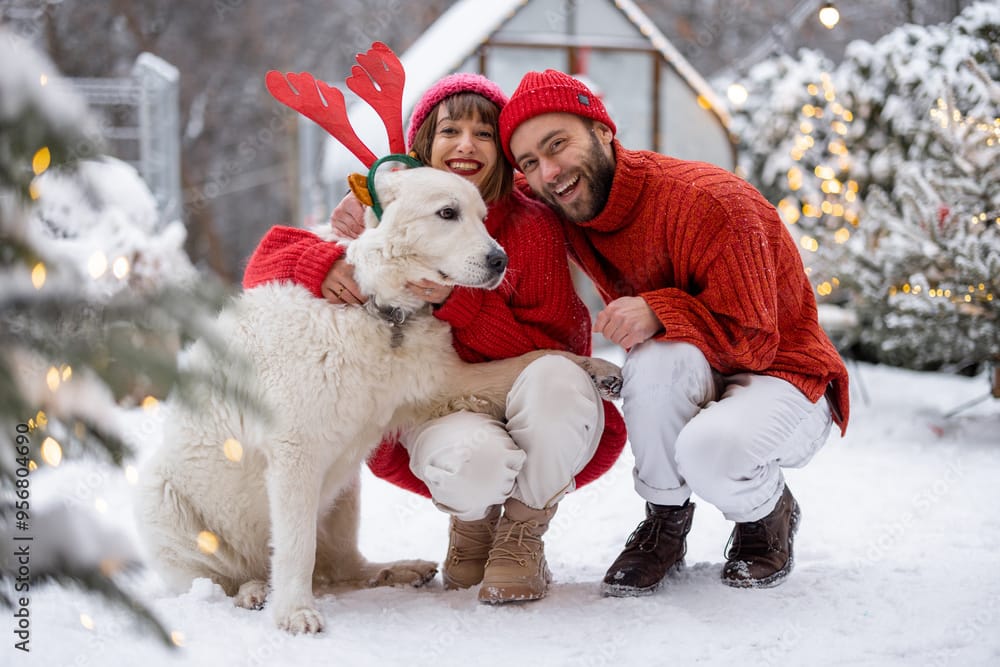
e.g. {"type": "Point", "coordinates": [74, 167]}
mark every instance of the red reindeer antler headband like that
{"type": "Point", "coordinates": [377, 79]}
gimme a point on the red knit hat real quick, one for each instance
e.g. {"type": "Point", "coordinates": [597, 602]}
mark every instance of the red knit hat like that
{"type": "Point", "coordinates": [463, 82]}
{"type": "Point", "coordinates": [547, 92]}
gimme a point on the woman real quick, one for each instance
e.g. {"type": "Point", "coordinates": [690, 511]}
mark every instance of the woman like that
{"type": "Point", "coordinates": [499, 481]}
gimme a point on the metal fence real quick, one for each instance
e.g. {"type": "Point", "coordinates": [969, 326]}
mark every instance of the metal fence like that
{"type": "Point", "coordinates": [139, 115]}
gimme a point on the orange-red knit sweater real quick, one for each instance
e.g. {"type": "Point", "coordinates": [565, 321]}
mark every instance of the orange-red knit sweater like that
{"type": "Point", "coordinates": [714, 261]}
{"type": "Point", "coordinates": [535, 307]}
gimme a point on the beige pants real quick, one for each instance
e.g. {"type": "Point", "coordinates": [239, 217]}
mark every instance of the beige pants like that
{"type": "Point", "coordinates": [725, 438]}
{"type": "Point", "coordinates": [469, 461]}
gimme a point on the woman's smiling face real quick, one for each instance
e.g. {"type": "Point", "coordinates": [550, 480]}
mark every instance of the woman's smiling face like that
{"type": "Point", "coordinates": [466, 146]}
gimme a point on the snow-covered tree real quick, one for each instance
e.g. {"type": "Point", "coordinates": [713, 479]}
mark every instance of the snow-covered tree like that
{"type": "Point", "coordinates": [887, 169]}
{"type": "Point", "coordinates": [95, 301]}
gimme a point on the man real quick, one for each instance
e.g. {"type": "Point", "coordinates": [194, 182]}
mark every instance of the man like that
{"type": "Point", "coordinates": [728, 377]}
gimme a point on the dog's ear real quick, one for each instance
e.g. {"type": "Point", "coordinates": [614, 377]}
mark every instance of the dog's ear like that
{"type": "Point", "coordinates": [387, 186]}
{"type": "Point", "coordinates": [359, 186]}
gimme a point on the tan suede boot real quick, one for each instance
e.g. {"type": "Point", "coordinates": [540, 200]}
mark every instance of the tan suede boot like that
{"type": "Point", "coordinates": [516, 569]}
{"type": "Point", "coordinates": [469, 545]}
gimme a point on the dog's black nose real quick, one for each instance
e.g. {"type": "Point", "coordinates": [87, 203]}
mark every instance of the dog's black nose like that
{"type": "Point", "coordinates": [497, 260]}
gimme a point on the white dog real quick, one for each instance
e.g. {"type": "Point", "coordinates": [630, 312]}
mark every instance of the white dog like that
{"type": "Point", "coordinates": [333, 380]}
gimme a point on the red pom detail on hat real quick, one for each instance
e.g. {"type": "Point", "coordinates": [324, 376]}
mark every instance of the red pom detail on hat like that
{"type": "Point", "coordinates": [547, 92]}
{"type": "Point", "coordinates": [453, 84]}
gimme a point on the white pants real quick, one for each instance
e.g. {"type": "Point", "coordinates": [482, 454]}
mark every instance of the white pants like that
{"type": "Point", "coordinates": [470, 461]}
{"type": "Point", "coordinates": [725, 438]}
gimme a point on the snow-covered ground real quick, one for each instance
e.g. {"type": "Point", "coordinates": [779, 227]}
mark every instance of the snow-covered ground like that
{"type": "Point", "coordinates": [897, 564]}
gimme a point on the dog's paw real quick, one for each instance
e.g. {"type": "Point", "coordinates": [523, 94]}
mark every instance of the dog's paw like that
{"type": "Point", "coordinates": [607, 377]}
{"type": "Point", "coordinates": [404, 573]}
{"type": "Point", "coordinates": [303, 621]}
{"type": "Point", "coordinates": [251, 595]}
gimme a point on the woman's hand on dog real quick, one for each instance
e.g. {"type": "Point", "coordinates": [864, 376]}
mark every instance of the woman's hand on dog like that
{"type": "Point", "coordinates": [431, 292]}
{"type": "Point", "coordinates": [348, 221]}
{"type": "Point", "coordinates": [339, 287]}
{"type": "Point", "coordinates": [348, 218]}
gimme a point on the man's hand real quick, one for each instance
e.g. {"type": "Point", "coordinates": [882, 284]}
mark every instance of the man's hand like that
{"type": "Point", "coordinates": [627, 321]}
{"type": "Point", "coordinates": [339, 286]}
{"type": "Point", "coordinates": [348, 219]}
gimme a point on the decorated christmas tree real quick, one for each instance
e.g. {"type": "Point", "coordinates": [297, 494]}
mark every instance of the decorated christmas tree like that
{"type": "Point", "coordinates": [887, 170]}
{"type": "Point", "coordinates": [96, 298]}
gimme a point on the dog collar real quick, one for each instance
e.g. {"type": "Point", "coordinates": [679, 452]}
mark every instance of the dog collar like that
{"type": "Point", "coordinates": [394, 316]}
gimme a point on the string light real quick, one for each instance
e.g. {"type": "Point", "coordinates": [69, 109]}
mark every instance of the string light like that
{"type": "Point", "coordinates": [97, 265]}
{"type": "Point", "coordinates": [120, 268]}
{"type": "Point", "coordinates": [41, 160]}
{"type": "Point", "coordinates": [51, 452]}
{"type": "Point", "coordinates": [972, 293]}
{"type": "Point", "coordinates": [838, 193]}
{"type": "Point", "coordinates": [38, 275]}
{"type": "Point", "coordinates": [829, 16]}
{"type": "Point", "coordinates": [737, 94]}
{"type": "Point", "coordinates": [40, 420]}
{"type": "Point", "coordinates": [946, 115]}
{"type": "Point", "coordinates": [53, 378]}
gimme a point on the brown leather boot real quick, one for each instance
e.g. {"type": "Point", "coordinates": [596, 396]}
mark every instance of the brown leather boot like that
{"type": "Point", "coordinates": [516, 569]}
{"type": "Point", "coordinates": [653, 550]}
{"type": "Point", "coordinates": [760, 552]}
{"type": "Point", "coordinates": [469, 545]}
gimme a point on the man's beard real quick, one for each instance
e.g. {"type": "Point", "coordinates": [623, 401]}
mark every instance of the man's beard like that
{"type": "Point", "coordinates": [598, 173]}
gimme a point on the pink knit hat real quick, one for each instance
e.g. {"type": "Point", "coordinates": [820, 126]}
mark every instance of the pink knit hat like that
{"type": "Point", "coordinates": [547, 92]}
{"type": "Point", "coordinates": [463, 82]}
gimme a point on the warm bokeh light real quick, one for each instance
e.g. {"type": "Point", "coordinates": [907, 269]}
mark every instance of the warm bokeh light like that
{"type": "Point", "coordinates": [809, 243]}
{"type": "Point", "coordinates": [41, 160]}
{"type": "Point", "coordinates": [97, 265]}
{"type": "Point", "coordinates": [51, 452]}
{"type": "Point", "coordinates": [53, 378]}
{"type": "Point", "coordinates": [120, 268]}
{"type": "Point", "coordinates": [737, 94]}
{"type": "Point", "coordinates": [208, 543]}
{"type": "Point", "coordinates": [829, 16]}
{"type": "Point", "coordinates": [233, 449]}
{"type": "Point", "coordinates": [38, 275]}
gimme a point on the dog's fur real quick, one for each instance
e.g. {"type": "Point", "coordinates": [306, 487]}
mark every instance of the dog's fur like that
{"type": "Point", "coordinates": [333, 381]}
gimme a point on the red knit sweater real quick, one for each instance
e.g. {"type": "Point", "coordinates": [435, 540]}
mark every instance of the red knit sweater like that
{"type": "Point", "coordinates": [714, 261]}
{"type": "Point", "coordinates": [534, 308]}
